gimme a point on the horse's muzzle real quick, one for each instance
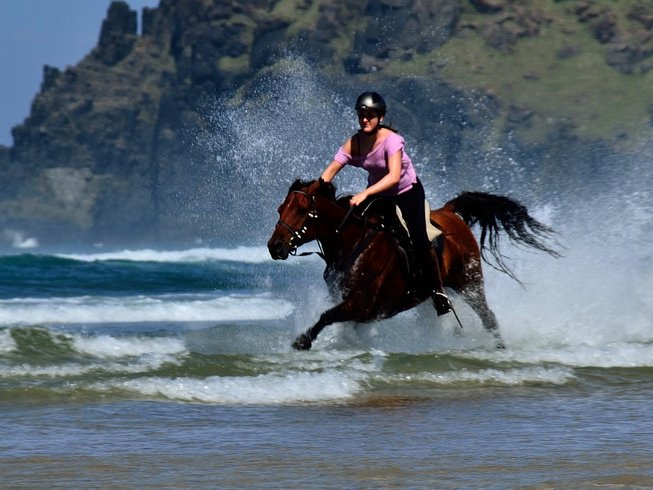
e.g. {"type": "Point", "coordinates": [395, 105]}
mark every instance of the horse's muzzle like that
{"type": "Point", "coordinates": [279, 249]}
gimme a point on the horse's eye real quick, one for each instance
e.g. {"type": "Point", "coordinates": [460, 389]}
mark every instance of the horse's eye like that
{"type": "Point", "coordinates": [302, 211]}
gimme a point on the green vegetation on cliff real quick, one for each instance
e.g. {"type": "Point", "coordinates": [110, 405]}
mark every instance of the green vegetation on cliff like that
{"type": "Point", "coordinates": [584, 66]}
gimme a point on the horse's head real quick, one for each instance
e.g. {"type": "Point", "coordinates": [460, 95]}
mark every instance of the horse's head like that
{"type": "Point", "coordinates": [298, 216]}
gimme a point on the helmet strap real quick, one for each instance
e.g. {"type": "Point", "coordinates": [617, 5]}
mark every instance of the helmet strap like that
{"type": "Point", "coordinates": [379, 126]}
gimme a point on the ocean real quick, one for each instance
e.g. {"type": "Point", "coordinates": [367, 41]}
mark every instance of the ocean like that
{"type": "Point", "coordinates": [173, 369]}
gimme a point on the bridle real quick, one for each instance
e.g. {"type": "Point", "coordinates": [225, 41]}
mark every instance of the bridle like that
{"type": "Point", "coordinates": [298, 235]}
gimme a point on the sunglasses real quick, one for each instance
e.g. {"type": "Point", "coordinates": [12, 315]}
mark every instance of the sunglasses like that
{"type": "Point", "coordinates": [367, 114]}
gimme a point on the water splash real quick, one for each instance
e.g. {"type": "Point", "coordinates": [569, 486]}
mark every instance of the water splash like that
{"type": "Point", "coordinates": [286, 126]}
{"type": "Point", "coordinates": [290, 123]}
{"type": "Point", "coordinates": [599, 293]}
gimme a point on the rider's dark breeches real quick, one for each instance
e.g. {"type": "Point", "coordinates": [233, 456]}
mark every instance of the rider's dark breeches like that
{"type": "Point", "coordinates": [411, 204]}
{"type": "Point", "coordinates": [412, 208]}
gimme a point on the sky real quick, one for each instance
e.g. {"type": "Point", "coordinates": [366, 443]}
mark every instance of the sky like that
{"type": "Point", "coordinates": [34, 33]}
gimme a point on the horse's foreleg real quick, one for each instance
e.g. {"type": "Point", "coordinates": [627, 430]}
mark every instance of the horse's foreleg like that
{"type": "Point", "coordinates": [339, 313]}
{"type": "Point", "coordinates": [475, 297]}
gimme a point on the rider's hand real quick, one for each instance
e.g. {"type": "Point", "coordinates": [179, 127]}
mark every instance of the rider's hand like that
{"type": "Point", "coordinates": [358, 198]}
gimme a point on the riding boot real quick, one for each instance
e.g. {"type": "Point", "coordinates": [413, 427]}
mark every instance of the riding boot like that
{"type": "Point", "coordinates": [441, 302]}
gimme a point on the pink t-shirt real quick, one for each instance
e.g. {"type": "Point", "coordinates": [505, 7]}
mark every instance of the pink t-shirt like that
{"type": "Point", "coordinates": [376, 163]}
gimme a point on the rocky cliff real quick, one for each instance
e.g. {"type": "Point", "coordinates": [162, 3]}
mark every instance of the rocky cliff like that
{"type": "Point", "coordinates": [123, 146]}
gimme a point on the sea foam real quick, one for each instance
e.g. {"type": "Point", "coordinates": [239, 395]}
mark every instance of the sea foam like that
{"type": "Point", "coordinates": [267, 389]}
{"type": "Point", "coordinates": [106, 346]}
{"type": "Point", "coordinates": [498, 377]}
{"type": "Point", "coordinates": [164, 308]}
{"type": "Point", "coordinates": [243, 254]}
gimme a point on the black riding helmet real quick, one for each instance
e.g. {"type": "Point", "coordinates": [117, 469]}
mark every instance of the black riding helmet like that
{"type": "Point", "coordinates": [371, 100]}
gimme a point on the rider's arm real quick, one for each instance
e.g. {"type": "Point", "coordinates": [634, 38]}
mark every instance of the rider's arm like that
{"type": "Point", "coordinates": [388, 182]}
{"type": "Point", "coordinates": [330, 172]}
{"type": "Point", "coordinates": [334, 167]}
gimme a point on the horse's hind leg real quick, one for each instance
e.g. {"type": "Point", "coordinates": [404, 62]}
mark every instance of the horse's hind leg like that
{"type": "Point", "coordinates": [475, 297]}
{"type": "Point", "coordinates": [339, 313]}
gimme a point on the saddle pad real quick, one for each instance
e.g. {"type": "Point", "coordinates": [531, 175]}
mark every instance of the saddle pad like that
{"type": "Point", "coordinates": [432, 232]}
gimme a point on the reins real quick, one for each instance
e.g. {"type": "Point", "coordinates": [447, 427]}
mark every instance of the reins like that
{"type": "Point", "coordinates": [363, 214]}
{"type": "Point", "coordinates": [298, 235]}
{"type": "Point", "coordinates": [344, 220]}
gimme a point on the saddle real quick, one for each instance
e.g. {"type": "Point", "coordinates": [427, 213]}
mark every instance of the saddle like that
{"type": "Point", "coordinates": [432, 232]}
{"type": "Point", "coordinates": [391, 218]}
{"type": "Point", "coordinates": [386, 216]}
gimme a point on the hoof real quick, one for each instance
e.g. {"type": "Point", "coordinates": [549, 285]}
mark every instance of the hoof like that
{"type": "Point", "coordinates": [303, 342]}
{"type": "Point", "coordinates": [498, 342]}
{"type": "Point", "coordinates": [441, 304]}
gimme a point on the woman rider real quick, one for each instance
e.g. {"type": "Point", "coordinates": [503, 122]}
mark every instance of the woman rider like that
{"type": "Point", "coordinates": [380, 151]}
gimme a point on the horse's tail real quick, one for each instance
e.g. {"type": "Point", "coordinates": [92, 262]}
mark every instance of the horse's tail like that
{"type": "Point", "coordinates": [499, 213]}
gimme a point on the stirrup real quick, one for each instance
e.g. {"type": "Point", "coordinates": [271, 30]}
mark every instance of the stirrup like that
{"type": "Point", "coordinates": [441, 303]}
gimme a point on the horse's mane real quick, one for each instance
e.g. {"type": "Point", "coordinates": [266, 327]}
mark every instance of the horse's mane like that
{"type": "Point", "coordinates": [300, 184]}
{"type": "Point", "coordinates": [326, 189]}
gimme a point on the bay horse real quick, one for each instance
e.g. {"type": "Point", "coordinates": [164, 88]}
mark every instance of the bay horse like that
{"type": "Point", "coordinates": [366, 267]}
